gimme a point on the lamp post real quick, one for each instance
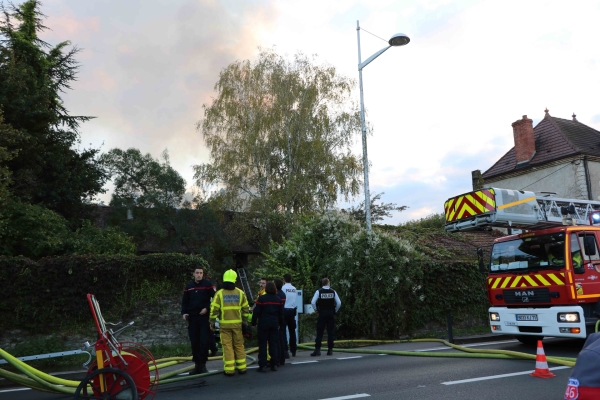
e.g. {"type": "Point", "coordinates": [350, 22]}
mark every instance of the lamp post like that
{"type": "Point", "coordinates": [399, 39]}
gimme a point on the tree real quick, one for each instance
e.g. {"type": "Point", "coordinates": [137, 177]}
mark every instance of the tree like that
{"type": "Point", "coordinates": [280, 134]}
{"type": "Point", "coordinates": [46, 169]}
{"type": "Point", "coordinates": [378, 211]}
{"type": "Point", "coordinates": [153, 192]}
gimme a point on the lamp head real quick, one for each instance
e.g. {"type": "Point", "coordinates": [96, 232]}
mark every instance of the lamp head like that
{"type": "Point", "coordinates": [399, 39]}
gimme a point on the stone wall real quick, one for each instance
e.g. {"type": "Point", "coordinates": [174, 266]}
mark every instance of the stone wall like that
{"type": "Point", "coordinates": [157, 323]}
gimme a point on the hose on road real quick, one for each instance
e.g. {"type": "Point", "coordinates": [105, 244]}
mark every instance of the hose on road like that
{"type": "Point", "coordinates": [38, 380]}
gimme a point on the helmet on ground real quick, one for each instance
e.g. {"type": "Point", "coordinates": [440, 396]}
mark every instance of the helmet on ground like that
{"type": "Point", "coordinates": [229, 276]}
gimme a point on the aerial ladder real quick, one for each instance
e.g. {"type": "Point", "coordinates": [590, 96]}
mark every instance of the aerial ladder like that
{"type": "Point", "coordinates": [245, 285]}
{"type": "Point", "coordinates": [518, 209]}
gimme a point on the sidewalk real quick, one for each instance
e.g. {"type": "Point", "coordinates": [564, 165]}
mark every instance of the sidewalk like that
{"type": "Point", "coordinates": [213, 365]}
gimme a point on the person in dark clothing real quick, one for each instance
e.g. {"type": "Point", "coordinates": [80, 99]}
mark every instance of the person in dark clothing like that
{"type": "Point", "coordinates": [325, 302]}
{"type": "Point", "coordinates": [283, 352]}
{"type": "Point", "coordinates": [195, 306]}
{"type": "Point", "coordinates": [268, 315]}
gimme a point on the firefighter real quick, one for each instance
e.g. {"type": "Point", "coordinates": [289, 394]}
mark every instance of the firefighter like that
{"type": "Point", "coordinates": [326, 303]}
{"type": "Point", "coordinates": [268, 315]}
{"type": "Point", "coordinates": [283, 353]}
{"type": "Point", "coordinates": [584, 382]}
{"type": "Point", "coordinates": [195, 306]}
{"type": "Point", "coordinates": [230, 305]}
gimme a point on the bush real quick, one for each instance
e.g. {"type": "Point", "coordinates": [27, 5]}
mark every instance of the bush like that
{"type": "Point", "coordinates": [51, 293]}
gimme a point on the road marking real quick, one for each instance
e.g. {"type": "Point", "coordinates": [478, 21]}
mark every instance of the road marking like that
{"type": "Point", "coordinates": [304, 362]}
{"type": "Point", "coordinates": [349, 358]}
{"type": "Point", "coordinates": [14, 390]}
{"type": "Point", "coordinates": [353, 396]}
{"type": "Point", "coordinates": [469, 345]}
{"type": "Point", "coordinates": [484, 378]}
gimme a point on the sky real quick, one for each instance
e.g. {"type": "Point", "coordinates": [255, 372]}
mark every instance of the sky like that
{"type": "Point", "coordinates": [440, 107]}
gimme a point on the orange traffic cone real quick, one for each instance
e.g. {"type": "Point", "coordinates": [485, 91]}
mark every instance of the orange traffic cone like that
{"type": "Point", "coordinates": [541, 365]}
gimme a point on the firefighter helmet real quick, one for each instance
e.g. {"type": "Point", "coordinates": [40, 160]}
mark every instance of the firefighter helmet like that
{"type": "Point", "coordinates": [229, 276]}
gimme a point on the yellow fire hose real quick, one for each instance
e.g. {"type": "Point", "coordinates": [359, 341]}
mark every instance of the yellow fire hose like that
{"type": "Point", "coordinates": [39, 380]}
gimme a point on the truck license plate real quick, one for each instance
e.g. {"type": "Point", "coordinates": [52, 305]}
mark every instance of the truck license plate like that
{"type": "Point", "coordinates": [527, 317]}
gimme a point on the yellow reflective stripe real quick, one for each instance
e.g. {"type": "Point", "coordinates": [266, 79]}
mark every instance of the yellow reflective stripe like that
{"type": "Point", "coordinates": [516, 203]}
{"type": "Point", "coordinates": [506, 280]}
{"type": "Point", "coordinates": [556, 279]}
{"type": "Point", "coordinates": [496, 283]}
{"type": "Point", "coordinates": [231, 308]}
{"type": "Point", "coordinates": [530, 280]}
{"type": "Point", "coordinates": [230, 321]}
{"type": "Point", "coordinates": [544, 281]}
{"type": "Point", "coordinates": [516, 281]}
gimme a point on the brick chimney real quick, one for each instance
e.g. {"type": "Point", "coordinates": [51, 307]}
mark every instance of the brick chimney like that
{"type": "Point", "coordinates": [524, 140]}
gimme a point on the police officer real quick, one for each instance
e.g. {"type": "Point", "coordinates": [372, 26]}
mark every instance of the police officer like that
{"type": "Point", "coordinates": [230, 305]}
{"type": "Point", "coordinates": [325, 302]}
{"type": "Point", "coordinates": [268, 315]}
{"type": "Point", "coordinates": [289, 312]}
{"type": "Point", "coordinates": [195, 306]}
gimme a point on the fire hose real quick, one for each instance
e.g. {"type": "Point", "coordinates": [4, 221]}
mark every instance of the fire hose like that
{"type": "Point", "coordinates": [39, 380]}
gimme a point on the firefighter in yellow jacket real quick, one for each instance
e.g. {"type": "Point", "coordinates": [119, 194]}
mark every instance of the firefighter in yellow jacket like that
{"type": "Point", "coordinates": [230, 305]}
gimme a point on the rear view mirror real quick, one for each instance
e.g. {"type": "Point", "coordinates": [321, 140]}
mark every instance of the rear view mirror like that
{"type": "Point", "coordinates": [482, 267]}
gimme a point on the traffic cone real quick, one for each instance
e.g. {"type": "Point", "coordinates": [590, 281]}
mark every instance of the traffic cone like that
{"type": "Point", "coordinates": [541, 365]}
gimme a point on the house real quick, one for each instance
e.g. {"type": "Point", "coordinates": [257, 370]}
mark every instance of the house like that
{"type": "Point", "coordinates": [558, 155]}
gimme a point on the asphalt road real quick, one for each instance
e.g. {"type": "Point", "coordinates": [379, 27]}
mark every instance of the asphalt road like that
{"type": "Point", "coordinates": [350, 376]}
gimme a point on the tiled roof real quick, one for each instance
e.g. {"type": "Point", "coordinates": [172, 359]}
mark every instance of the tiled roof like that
{"type": "Point", "coordinates": [555, 138]}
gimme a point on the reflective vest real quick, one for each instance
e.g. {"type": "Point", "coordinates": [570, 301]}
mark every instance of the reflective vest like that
{"type": "Point", "coordinates": [231, 307]}
{"type": "Point", "coordinates": [326, 300]}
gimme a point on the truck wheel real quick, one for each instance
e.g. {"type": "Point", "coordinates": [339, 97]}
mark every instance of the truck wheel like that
{"type": "Point", "coordinates": [529, 340]}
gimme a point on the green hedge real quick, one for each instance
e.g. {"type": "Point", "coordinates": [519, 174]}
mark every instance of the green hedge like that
{"type": "Point", "coordinates": [44, 295]}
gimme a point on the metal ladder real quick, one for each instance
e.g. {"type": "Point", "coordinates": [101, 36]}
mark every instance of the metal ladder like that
{"type": "Point", "coordinates": [245, 285]}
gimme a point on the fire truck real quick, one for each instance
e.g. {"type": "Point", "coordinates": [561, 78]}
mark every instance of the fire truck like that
{"type": "Point", "coordinates": [544, 280]}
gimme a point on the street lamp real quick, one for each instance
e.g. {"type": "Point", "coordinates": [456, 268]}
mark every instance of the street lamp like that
{"type": "Point", "coordinates": [399, 39]}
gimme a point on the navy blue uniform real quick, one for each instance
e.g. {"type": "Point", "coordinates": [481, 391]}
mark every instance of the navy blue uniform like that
{"type": "Point", "coordinates": [196, 297]}
{"type": "Point", "coordinates": [282, 336]}
{"type": "Point", "coordinates": [268, 315]}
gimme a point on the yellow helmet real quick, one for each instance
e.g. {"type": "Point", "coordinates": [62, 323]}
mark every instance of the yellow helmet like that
{"type": "Point", "coordinates": [229, 276]}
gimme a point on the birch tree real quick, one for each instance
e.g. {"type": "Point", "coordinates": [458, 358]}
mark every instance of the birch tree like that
{"type": "Point", "coordinates": [279, 133]}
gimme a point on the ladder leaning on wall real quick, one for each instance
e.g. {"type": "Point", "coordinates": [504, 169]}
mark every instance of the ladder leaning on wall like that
{"type": "Point", "coordinates": [245, 285]}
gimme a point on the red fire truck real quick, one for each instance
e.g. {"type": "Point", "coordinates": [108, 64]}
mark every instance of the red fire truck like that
{"type": "Point", "coordinates": [545, 280]}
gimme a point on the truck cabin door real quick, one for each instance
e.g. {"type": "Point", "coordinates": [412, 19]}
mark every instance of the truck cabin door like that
{"type": "Point", "coordinates": [585, 259]}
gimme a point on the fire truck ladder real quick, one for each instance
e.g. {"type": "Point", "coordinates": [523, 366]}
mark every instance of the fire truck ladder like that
{"type": "Point", "coordinates": [245, 285]}
{"type": "Point", "coordinates": [504, 208]}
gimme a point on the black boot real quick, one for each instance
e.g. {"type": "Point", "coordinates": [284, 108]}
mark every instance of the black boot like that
{"type": "Point", "coordinates": [317, 352]}
{"type": "Point", "coordinates": [274, 367]}
{"type": "Point", "coordinates": [196, 370]}
{"type": "Point", "coordinates": [329, 352]}
{"type": "Point", "coordinates": [201, 368]}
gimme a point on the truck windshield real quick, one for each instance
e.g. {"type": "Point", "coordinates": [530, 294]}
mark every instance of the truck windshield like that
{"type": "Point", "coordinates": [536, 252]}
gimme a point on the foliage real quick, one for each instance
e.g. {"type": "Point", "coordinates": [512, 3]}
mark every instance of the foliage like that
{"type": "Point", "coordinates": [388, 287]}
{"type": "Point", "coordinates": [33, 231]}
{"type": "Point", "coordinates": [378, 211]}
{"type": "Point", "coordinates": [369, 272]}
{"type": "Point", "coordinates": [432, 221]}
{"type": "Point", "coordinates": [92, 240]}
{"type": "Point", "coordinates": [280, 134]}
{"type": "Point", "coordinates": [61, 284]}
{"type": "Point", "coordinates": [45, 167]}
{"type": "Point", "coordinates": [142, 181]}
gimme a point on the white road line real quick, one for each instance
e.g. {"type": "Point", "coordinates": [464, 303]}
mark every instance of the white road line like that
{"type": "Point", "coordinates": [304, 362]}
{"type": "Point", "coordinates": [349, 358]}
{"type": "Point", "coordinates": [469, 345]}
{"type": "Point", "coordinates": [353, 396]}
{"type": "Point", "coordinates": [14, 390]}
{"type": "Point", "coordinates": [484, 378]}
